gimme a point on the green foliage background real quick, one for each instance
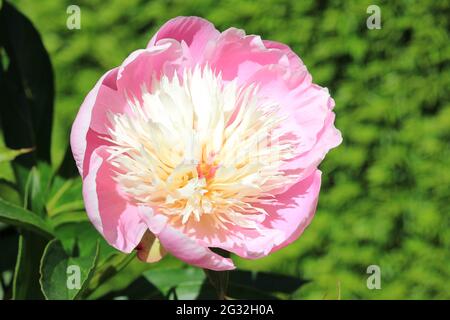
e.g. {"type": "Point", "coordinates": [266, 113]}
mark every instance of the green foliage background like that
{"type": "Point", "coordinates": [385, 197]}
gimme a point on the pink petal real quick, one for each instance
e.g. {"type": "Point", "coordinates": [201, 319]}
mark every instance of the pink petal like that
{"type": "Point", "coordinates": [294, 209]}
{"type": "Point", "coordinates": [327, 138]}
{"type": "Point", "coordinates": [109, 101]}
{"type": "Point", "coordinates": [182, 246]}
{"type": "Point", "coordinates": [116, 219]}
{"type": "Point", "coordinates": [110, 95]}
{"type": "Point", "coordinates": [190, 251]}
{"type": "Point", "coordinates": [194, 31]}
{"type": "Point", "coordinates": [294, 61]}
{"type": "Point", "coordinates": [249, 243]}
{"type": "Point", "coordinates": [93, 141]}
{"type": "Point", "coordinates": [81, 125]}
{"type": "Point", "coordinates": [308, 111]}
{"type": "Point", "coordinates": [238, 55]}
{"type": "Point", "coordinates": [144, 65]}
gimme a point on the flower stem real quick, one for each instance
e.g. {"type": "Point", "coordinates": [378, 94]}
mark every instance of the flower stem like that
{"type": "Point", "coordinates": [219, 280]}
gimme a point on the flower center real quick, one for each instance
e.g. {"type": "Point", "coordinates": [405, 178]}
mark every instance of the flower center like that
{"type": "Point", "coordinates": [198, 146]}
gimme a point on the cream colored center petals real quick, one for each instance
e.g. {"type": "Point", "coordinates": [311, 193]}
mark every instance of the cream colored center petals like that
{"type": "Point", "coordinates": [200, 146]}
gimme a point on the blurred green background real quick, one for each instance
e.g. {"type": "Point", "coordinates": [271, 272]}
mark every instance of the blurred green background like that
{"type": "Point", "coordinates": [385, 197]}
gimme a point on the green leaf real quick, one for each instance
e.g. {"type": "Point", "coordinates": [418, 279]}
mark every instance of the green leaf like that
{"type": "Point", "coordinates": [109, 269]}
{"type": "Point", "coordinates": [26, 273]}
{"type": "Point", "coordinates": [31, 243]}
{"type": "Point", "coordinates": [59, 272]}
{"type": "Point", "coordinates": [167, 282]}
{"type": "Point", "coordinates": [177, 283]}
{"type": "Point", "coordinates": [68, 169]}
{"type": "Point", "coordinates": [26, 88]}
{"type": "Point", "coordinates": [69, 217]}
{"type": "Point", "coordinates": [7, 154]}
{"type": "Point", "coordinates": [9, 192]}
{"type": "Point", "coordinates": [84, 236]}
{"type": "Point", "coordinates": [192, 283]}
{"type": "Point", "coordinates": [19, 217]}
{"type": "Point", "coordinates": [8, 247]}
{"type": "Point", "coordinates": [65, 196]}
{"type": "Point", "coordinates": [129, 282]}
{"type": "Point", "coordinates": [36, 188]}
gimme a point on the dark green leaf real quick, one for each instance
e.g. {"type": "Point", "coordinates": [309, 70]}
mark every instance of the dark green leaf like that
{"type": "Point", "coordinates": [7, 154]}
{"type": "Point", "coordinates": [59, 271]}
{"type": "Point", "coordinates": [26, 273]}
{"type": "Point", "coordinates": [110, 268]}
{"type": "Point", "coordinates": [9, 192]}
{"type": "Point", "coordinates": [68, 169]}
{"type": "Point", "coordinates": [191, 283]}
{"type": "Point", "coordinates": [83, 236]}
{"type": "Point", "coordinates": [19, 217]}
{"type": "Point", "coordinates": [26, 86]}
{"type": "Point", "coordinates": [122, 277]}
{"type": "Point", "coordinates": [177, 283]}
{"type": "Point", "coordinates": [261, 285]}
{"type": "Point", "coordinates": [8, 247]}
{"type": "Point", "coordinates": [36, 188]}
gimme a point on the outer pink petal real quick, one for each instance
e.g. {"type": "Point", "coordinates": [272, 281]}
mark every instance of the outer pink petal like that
{"type": "Point", "coordinates": [110, 95]}
{"type": "Point", "coordinates": [294, 209]}
{"type": "Point", "coordinates": [247, 243]}
{"type": "Point", "coordinates": [194, 31]}
{"type": "Point", "coordinates": [327, 138]}
{"type": "Point", "coordinates": [109, 101]}
{"type": "Point", "coordinates": [236, 55]}
{"type": "Point", "coordinates": [294, 60]}
{"type": "Point", "coordinates": [144, 65]}
{"type": "Point", "coordinates": [117, 220]}
{"type": "Point", "coordinates": [182, 246]}
{"type": "Point", "coordinates": [82, 123]}
{"type": "Point", "coordinates": [190, 251]}
{"type": "Point", "coordinates": [308, 111]}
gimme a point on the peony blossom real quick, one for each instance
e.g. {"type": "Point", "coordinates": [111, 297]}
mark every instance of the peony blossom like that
{"type": "Point", "coordinates": [203, 140]}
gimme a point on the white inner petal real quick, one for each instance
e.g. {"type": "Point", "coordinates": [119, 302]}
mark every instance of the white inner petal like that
{"type": "Point", "coordinates": [200, 146]}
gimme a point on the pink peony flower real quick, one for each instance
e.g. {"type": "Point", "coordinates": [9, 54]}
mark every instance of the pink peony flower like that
{"type": "Point", "coordinates": [203, 140]}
